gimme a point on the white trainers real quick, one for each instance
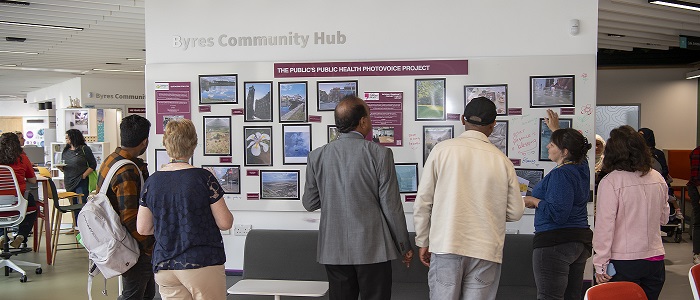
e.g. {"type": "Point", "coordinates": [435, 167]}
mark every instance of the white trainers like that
{"type": "Point", "coordinates": [678, 214]}
{"type": "Point", "coordinates": [696, 259]}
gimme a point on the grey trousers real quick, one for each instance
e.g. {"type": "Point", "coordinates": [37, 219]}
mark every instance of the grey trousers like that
{"type": "Point", "coordinates": [456, 277]}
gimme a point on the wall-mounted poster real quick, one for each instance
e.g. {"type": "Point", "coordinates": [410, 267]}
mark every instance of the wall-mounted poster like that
{"type": "Point", "coordinates": [297, 143]}
{"type": "Point", "coordinates": [407, 175]}
{"type": "Point", "coordinates": [498, 93]}
{"type": "Point", "coordinates": [218, 89]}
{"type": "Point", "coordinates": [217, 136]}
{"type": "Point", "coordinates": [163, 159]}
{"type": "Point", "coordinates": [333, 133]}
{"type": "Point", "coordinates": [78, 119]}
{"type": "Point", "coordinates": [258, 145]}
{"type": "Point", "coordinates": [430, 99]}
{"type": "Point", "coordinates": [330, 93]}
{"type": "Point", "coordinates": [386, 113]}
{"type": "Point", "coordinates": [229, 177]}
{"type": "Point", "coordinates": [552, 91]}
{"type": "Point", "coordinates": [433, 135]}
{"type": "Point", "coordinates": [499, 136]}
{"type": "Point", "coordinates": [293, 101]}
{"type": "Point", "coordinates": [258, 101]}
{"type": "Point", "coordinates": [277, 184]}
{"type": "Point", "coordinates": [528, 178]}
{"type": "Point", "coordinates": [546, 135]}
{"type": "Point", "coordinates": [172, 102]}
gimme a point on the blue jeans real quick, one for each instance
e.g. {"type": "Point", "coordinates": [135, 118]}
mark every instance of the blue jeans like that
{"type": "Point", "coordinates": [455, 277]}
{"type": "Point", "coordinates": [139, 281]}
{"type": "Point", "coordinates": [559, 270]}
{"type": "Point", "coordinates": [82, 188]}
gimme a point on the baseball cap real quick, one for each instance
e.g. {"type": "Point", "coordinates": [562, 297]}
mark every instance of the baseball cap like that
{"type": "Point", "coordinates": [480, 111]}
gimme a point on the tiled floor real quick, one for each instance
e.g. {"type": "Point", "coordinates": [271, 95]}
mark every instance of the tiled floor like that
{"type": "Point", "coordinates": [67, 279]}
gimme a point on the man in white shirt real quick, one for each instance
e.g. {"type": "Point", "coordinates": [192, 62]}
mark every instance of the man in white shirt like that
{"type": "Point", "coordinates": [467, 192]}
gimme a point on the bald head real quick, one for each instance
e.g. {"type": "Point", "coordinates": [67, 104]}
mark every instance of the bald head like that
{"type": "Point", "coordinates": [349, 113]}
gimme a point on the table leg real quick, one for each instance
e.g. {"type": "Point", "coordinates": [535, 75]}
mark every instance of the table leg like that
{"type": "Point", "coordinates": [47, 224]}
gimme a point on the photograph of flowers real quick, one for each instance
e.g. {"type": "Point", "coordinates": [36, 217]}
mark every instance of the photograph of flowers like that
{"type": "Point", "coordinates": [258, 145]}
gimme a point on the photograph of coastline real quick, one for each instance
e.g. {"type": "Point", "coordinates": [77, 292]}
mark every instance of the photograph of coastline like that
{"type": "Point", "coordinates": [218, 89]}
{"type": "Point", "coordinates": [330, 93]}
{"type": "Point", "coordinates": [293, 101]}
{"type": "Point", "coordinates": [275, 184]}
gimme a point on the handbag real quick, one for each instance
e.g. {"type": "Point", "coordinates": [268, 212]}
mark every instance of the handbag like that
{"type": "Point", "coordinates": [92, 178]}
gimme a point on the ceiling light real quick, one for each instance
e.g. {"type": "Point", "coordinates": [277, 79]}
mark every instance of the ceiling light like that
{"type": "Point", "coordinates": [113, 63]}
{"type": "Point", "coordinates": [132, 58]}
{"type": "Point", "coordinates": [3, 67]}
{"type": "Point", "coordinates": [14, 2]}
{"type": "Point", "coordinates": [11, 65]}
{"type": "Point", "coordinates": [18, 52]}
{"type": "Point", "coordinates": [113, 70]}
{"type": "Point", "coordinates": [41, 25]}
{"type": "Point", "coordinates": [677, 4]}
{"type": "Point", "coordinates": [615, 35]}
{"type": "Point", "coordinates": [15, 39]}
{"type": "Point", "coordinates": [692, 75]}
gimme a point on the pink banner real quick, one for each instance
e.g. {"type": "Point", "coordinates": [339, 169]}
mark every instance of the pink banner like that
{"type": "Point", "coordinates": [372, 68]}
{"type": "Point", "coordinates": [172, 102]}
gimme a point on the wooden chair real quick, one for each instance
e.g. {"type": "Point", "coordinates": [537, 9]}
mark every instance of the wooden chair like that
{"type": "Point", "coordinates": [694, 277]}
{"type": "Point", "coordinates": [58, 211]}
{"type": "Point", "coordinates": [619, 290]}
{"type": "Point", "coordinates": [13, 209]}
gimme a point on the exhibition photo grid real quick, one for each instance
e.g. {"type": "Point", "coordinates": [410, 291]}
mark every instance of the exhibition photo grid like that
{"type": "Point", "coordinates": [228, 176]}
{"type": "Point", "coordinates": [218, 89]}
{"type": "Point", "coordinates": [257, 145]}
{"type": "Point", "coordinates": [293, 100]}
{"type": "Point", "coordinates": [258, 101]}
{"type": "Point", "coordinates": [217, 136]}
{"type": "Point", "coordinates": [279, 184]}
{"type": "Point", "coordinates": [430, 99]}
{"type": "Point", "coordinates": [330, 93]}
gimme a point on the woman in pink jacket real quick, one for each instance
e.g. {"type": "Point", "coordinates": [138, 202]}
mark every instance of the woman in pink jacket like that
{"type": "Point", "coordinates": [632, 204]}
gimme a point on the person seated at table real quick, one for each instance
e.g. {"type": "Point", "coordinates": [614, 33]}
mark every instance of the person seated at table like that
{"type": "Point", "coordinates": [183, 208]}
{"type": "Point", "coordinates": [11, 154]}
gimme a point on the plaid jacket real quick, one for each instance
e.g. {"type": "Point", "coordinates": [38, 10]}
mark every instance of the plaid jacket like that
{"type": "Point", "coordinates": [694, 167]}
{"type": "Point", "coordinates": [124, 193]}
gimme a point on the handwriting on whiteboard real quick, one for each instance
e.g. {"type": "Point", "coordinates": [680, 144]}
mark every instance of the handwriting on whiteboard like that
{"type": "Point", "coordinates": [414, 141]}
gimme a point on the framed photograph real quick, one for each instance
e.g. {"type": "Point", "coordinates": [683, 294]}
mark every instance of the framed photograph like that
{"type": "Point", "coordinates": [229, 177]}
{"type": "Point", "coordinates": [276, 184]}
{"type": "Point", "coordinates": [258, 101]}
{"type": "Point", "coordinates": [407, 174]}
{"type": "Point", "coordinates": [546, 135]}
{"type": "Point", "coordinates": [330, 93]}
{"type": "Point", "coordinates": [552, 91]}
{"type": "Point", "coordinates": [430, 99]}
{"type": "Point", "coordinates": [499, 136]}
{"type": "Point", "coordinates": [333, 133]}
{"type": "Point", "coordinates": [432, 135]}
{"type": "Point", "coordinates": [528, 178]}
{"type": "Point", "coordinates": [258, 145]}
{"type": "Point", "coordinates": [217, 136]}
{"type": "Point", "coordinates": [293, 101]}
{"type": "Point", "coordinates": [78, 119]}
{"type": "Point", "coordinates": [218, 89]}
{"type": "Point", "coordinates": [296, 140]}
{"type": "Point", "coordinates": [163, 159]}
{"type": "Point", "coordinates": [498, 93]}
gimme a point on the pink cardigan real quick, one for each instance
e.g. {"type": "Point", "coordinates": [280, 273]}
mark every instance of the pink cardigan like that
{"type": "Point", "coordinates": [630, 210]}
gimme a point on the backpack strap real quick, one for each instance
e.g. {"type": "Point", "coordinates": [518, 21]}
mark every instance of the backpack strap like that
{"type": "Point", "coordinates": [115, 167]}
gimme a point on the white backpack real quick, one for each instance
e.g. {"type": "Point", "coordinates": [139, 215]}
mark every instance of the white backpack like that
{"type": "Point", "coordinates": [112, 249]}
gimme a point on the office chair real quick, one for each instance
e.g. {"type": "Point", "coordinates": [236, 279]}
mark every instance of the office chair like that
{"type": "Point", "coordinates": [618, 290]}
{"type": "Point", "coordinates": [694, 276]}
{"type": "Point", "coordinates": [13, 209]}
{"type": "Point", "coordinates": [58, 212]}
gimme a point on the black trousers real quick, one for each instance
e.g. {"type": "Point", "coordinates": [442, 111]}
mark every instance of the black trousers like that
{"type": "Point", "coordinates": [650, 275]}
{"type": "Point", "coordinates": [371, 281]}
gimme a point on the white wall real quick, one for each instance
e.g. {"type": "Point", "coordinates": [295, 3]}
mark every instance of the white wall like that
{"type": "Point", "coordinates": [17, 108]}
{"type": "Point", "coordinates": [668, 101]}
{"type": "Point", "coordinates": [58, 93]}
{"type": "Point", "coordinates": [502, 40]}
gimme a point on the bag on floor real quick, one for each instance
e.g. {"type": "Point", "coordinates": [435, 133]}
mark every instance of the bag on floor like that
{"type": "Point", "coordinates": [112, 250]}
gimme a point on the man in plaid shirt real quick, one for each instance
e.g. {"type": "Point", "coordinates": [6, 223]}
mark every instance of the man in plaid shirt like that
{"type": "Point", "coordinates": [693, 184]}
{"type": "Point", "coordinates": [124, 191]}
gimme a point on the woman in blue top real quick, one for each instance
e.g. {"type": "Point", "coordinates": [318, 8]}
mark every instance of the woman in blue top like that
{"type": "Point", "coordinates": [184, 209]}
{"type": "Point", "coordinates": [563, 239]}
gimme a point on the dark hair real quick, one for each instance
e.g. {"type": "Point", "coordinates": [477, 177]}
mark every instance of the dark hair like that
{"type": "Point", "coordinates": [572, 140]}
{"type": "Point", "coordinates": [10, 149]}
{"type": "Point", "coordinates": [134, 129]}
{"type": "Point", "coordinates": [648, 136]}
{"type": "Point", "coordinates": [76, 138]}
{"type": "Point", "coordinates": [626, 150]}
{"type": "Point", "coordinates": [348, 113]}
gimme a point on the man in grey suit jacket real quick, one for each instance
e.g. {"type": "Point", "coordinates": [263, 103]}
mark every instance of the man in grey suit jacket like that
{"type": "Point", "coordinates": [363, 226]}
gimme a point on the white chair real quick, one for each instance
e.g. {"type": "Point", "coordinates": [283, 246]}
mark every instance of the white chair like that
{"type": "Point", "coordinates": [694, 276]}
{"type": "Point", "coordinates": [13, 208]}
